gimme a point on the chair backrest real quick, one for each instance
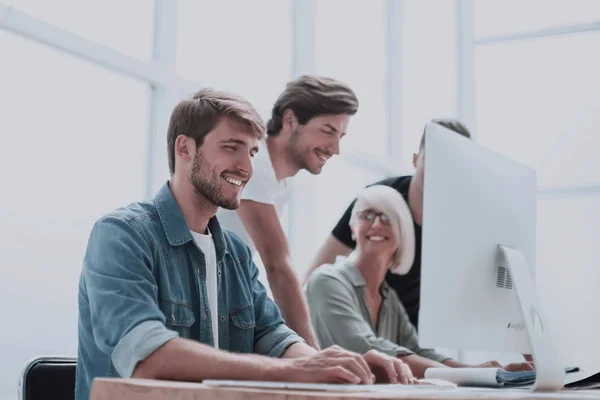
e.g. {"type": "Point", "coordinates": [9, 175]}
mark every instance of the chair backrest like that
{"type": "Point", "coordinates": [48, 378]}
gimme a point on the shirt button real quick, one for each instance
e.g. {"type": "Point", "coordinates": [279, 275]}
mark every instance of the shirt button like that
{"type": "Point", "coordinates": [222, 318]}
{"type": "Point", "coordinates": [219, 273]}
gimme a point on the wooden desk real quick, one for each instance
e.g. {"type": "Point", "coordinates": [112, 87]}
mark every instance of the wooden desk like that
{"type": "Point", "coordinates": [137, 389]}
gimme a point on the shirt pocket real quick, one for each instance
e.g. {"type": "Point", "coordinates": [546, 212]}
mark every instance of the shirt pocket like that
{"type": "Point", "coordinates": [243, 323]}
{"type": "Point", "coordinates": [179, 317]}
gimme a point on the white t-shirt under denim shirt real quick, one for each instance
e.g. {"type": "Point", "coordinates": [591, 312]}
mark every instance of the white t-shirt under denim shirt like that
{"type": "Point", "coordinates": [206, 244]}
{"type": "Point", "coordinates": [263, 187]}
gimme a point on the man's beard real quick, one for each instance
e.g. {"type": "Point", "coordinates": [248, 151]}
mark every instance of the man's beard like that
{"type": "Point", "coordinates": [300, 157]}
{"type": "Point", "coordinates": [207, 183]}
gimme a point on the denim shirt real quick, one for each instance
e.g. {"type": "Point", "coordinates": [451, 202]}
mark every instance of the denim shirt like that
{"type": "Point", "coordinates": [143, 283]}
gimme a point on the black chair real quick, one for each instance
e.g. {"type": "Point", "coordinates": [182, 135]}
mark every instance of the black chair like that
{"type": "Point", "coordinates": [46, 378]}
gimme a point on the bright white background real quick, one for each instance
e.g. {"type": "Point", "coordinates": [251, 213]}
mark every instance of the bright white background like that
{"type": "Point", "coordinates": [86, 89]}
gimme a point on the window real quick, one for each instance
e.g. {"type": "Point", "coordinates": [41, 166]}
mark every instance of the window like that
{"type": "Point", "coordinates": [241, 46]}
{"type": "Point", "coordinates": [505, 17]}
{"type": "Point", "coordinates": [73, 147]}
{"type": "Point", "coordinates": [573, 160]}
{"type": "Point", "coordinates": [567, 248]}
{"type": "Point", "coordinates": [126, 26]}
{"type": "Point", "coordinates": [350, 45]}
{"type": "Point", "coordinates": [539, 108]}
{"type": "Point", "coordinates": [429, 69]}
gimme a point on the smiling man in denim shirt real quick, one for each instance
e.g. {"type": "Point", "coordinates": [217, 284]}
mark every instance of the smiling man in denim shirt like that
{"type": "Point", "coordinates": [166, 294]}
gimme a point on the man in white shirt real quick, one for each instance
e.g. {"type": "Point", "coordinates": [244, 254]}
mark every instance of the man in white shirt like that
{"type": "Point", "coordinates": [307, 122]}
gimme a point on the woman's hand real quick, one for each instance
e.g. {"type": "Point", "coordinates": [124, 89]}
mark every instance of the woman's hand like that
{"type": "Point", "coordinates": [522, 366]}
{"type": "Point", "coordinates": [488, 364]}
{"type": "Point", "coordinates": [512, 367]}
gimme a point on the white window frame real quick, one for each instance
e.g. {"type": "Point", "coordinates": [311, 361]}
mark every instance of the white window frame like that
{"type": "Point", "coordinates": [467, 43]}
{"type": "Point", "coordinates": [159, 72]}
{"type": "Point", "coordinates": [167, 86]}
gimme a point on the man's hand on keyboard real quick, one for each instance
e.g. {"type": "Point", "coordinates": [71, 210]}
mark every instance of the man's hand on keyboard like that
{"type": "Point", "coordinates": [389, 369]}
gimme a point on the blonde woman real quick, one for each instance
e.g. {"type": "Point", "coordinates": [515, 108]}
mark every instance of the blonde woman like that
{"type": "Point", "coordinates": [352, 306]}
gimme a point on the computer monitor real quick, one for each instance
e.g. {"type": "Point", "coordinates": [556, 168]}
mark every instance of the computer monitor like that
{"type": "Point", "coordinates": [478, 254]}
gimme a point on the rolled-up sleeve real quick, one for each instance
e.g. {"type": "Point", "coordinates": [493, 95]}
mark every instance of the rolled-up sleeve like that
{"type": "Point", "coordinates": [271, 336]}
{"type": "Point", "coordinates": [276, 342]}
{"type": "Point", "coordinates": [337, 319]}
{"type": "Point", "coordinates": [127, 323]}
{"type": "Point", "coordinates": [138, 344]}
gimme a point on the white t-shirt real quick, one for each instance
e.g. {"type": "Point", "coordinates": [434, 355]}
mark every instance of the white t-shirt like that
{"type": "Point", "coordinates": [263, 187]}
{"type": "Point", "coordinates": [207, 246]}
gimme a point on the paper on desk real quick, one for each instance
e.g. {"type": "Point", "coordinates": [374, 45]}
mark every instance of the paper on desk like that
{"type": "Point", "coordinates": [465, 376]}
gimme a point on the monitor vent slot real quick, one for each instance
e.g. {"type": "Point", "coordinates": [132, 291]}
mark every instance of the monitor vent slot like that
{"type": "Point", "coordinates": [504, 279]}
{"type": "Point", "coordinates": [516, 327]}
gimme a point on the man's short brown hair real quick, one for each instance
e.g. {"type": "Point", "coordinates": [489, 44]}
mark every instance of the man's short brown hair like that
{"type": "Point", "coordinates": [448, 123]}
{"type": "Point", "coordinates": [310, 96]}
{"type": "Point", "coordinates": [197, 116]}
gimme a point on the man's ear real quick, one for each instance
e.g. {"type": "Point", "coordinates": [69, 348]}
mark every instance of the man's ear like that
{"type": "Point", "coordinates": [288, 120]}
{"type": "Point", "coordinates": [185, 147]}
{"type": "Point", "coordinates": [415, 157]}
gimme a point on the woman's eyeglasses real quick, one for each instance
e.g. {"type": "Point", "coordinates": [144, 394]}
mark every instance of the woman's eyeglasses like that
{"type": "Point", "coordinates": [370, 217]}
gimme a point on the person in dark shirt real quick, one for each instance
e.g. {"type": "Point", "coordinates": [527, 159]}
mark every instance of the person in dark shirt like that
{"type": "Point", "coordinates": [340, 242]}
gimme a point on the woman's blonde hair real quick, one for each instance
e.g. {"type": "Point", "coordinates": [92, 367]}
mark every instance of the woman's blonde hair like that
{"type": "Point", "coordinates": [388, 201]}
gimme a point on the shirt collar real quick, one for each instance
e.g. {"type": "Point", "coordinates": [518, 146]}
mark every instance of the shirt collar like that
{"type": "Point", "coordinates": [176, 229]}
{"type": "Point", "coordinates": [356, 278]}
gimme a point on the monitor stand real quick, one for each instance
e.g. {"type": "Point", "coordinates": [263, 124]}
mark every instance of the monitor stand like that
{"type": "Point", "coordinates": [550, 374]}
